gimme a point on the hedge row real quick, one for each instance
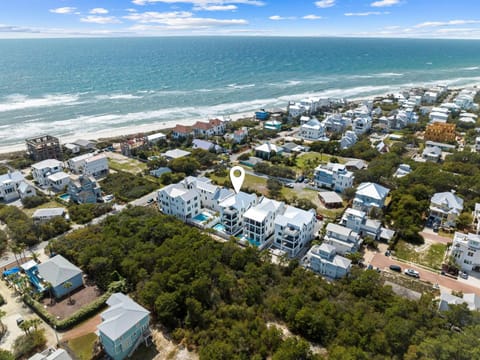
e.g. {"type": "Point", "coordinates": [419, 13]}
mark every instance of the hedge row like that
{"type": "Point", "coordinates": [65, 324]}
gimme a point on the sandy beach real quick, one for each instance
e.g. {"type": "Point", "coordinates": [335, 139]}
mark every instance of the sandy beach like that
{"type": "Point", "coordinates": [123, 131]}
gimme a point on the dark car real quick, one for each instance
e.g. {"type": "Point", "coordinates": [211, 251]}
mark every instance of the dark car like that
{"type": "Point", "coordinates": [396, 268]}
{"type": "Point", "coordinates": [300, 178]}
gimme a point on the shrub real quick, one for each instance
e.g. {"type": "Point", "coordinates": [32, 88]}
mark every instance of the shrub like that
{"type": "Point", "coordinates": [29, 344]}
{"type": "Point", "coordinates": [34, 201]}
{"type": "Point", "coordinates": [83, 213]}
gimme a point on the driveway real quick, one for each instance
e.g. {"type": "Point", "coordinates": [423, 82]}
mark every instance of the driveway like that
{"type": "Point", "coordinates": [434, 238]}
{"type": "Point", "coordinates": [383, 262]}
{"type": "Point", "coordinates": [13, 308]}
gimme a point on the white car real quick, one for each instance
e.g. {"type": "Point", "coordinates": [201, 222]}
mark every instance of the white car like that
{"type": "Point", "coordinates": [411, 272]}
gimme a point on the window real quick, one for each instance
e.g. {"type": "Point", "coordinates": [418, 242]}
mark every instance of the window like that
{"type": "Point", "coordinates": [471, 253]}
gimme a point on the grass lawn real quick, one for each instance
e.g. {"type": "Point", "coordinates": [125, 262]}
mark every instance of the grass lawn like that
{"type": "Point", "coordinates": [83, 346]}
{"type": "Point", "coordinates": [50, 204]}
{"type": "Point", "coordinates": [430, 255]}
{"type": "Point", "coordinates": [251, 182]}
{"type": "Point", "coordinates": [316, 158]}
{"type": "Point", "coordinates": [131, 165]}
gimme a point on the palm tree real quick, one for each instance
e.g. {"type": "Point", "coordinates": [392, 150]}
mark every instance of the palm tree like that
{"type": "Point", "coordinates": [67, 285]}
{"type": "Point", "coordinates": [35, 323]}
{"type": "Point", "coordinates": [49, 287]}
{"type": "Point", "coordinates": [2, 314]}
{"type": "Point", "coordinates": [15, 250]}
{"type": "Point", "coordinates": [25, 326]}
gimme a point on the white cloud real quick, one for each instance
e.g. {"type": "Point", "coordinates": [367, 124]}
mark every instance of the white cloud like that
{"type": "Point", "coordinates": [368, 13]}
{"type": "Point", "coordinates": [131, 10]}
{"type": "Point", "coordinates": [279, 18]}
{"type": "Point", "coordinates": [100, 19]}
{"type": "Point", "coordinates": [99, 11]}
{"type": "Point", "coordinates": [384, 3]}
{"type": "Point", "coordinates": [178, 20]}
{"type": "Point", "coordinates": [63, 10]}
{"type": "Point", "coordinates": [207, 7]}
{"type": "Point", "coordinates": [325, 3]}
{"type": "Point", "coordinates": [445, 23]}
{"type": "Point", "coordinates": [203, 3]}
{"type": "Point", "coordinates": [312, 17]}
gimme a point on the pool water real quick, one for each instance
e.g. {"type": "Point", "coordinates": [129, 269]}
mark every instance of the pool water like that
{"type": "Point", "coordinates": [219, 227]}
{"type": "Point", "coordinates": [65, 197]}
{"type": "Point", "coordinates": [201, 217]}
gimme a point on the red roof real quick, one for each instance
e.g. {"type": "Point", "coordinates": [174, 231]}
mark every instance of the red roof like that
{"type": "Point", "coordinates": [215, 122]}
{"type": "Point", "coordinates": [182, 129]}
{"type": "Point", "coordinates": [202, 125]}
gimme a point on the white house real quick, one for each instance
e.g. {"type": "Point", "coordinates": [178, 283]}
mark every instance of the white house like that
{"type": "Point", "coordinates": [432, 154]}
{"type": "Point", "coordinates": [260, 220]}
{"type": "Point", "coordinates": [445, 207]}
{"type": "Point", "coordinates": [343, 239]}
{"type": "Point", "coordinates": [358, 221]}
{"type": "Point", "coordinates": [466, 251]}
{"type": "Point", "coordinates": [179, 201]}
{"type": "Point", "coordinates": [43, 215]}
{"type": "Point", "coordinates": [324, 260]}
{"type": "Point", "coordinates": [43, 169]}
{"type": "Point", "coordinates": [430, 97]}
{"type": "Point", "coordinates": [96, 166]}
{"type": "Point", "coordinates": [210, 195]}
{"type": "Point", "coordinates": [266, 150]}
{"type": "Point", "coordinates": [333, 176]}
{"type": "Point", "coordinates": [77, 163]}
{"type": "Point", "coordinates": [155, 138]}
{"type": "Point", "coordinates": [313, 130]}
{"type": "Point", "coordinates": [9, 185]}
{"type": "Point", "coordinates": [370, 195]}
{"type": "Point", "coordinates": [337, 122]}
{"type": "Point", "coordinates": [295, 110]}
{"type": "Point", "coordinates": [361, 125]}
{"type": "Point", "coordinates": [175, 154]}
{"type": "Point", "coordinates": [58, 181]}
{"type": "Point", "coordinates": [348, 139]}
{"type": "Point", "coordinates": [294, 229]}
{"type": "Point", "coordinates": [438, 117]}
{"type": "Point", "coordinates": [232, 210]}
{"type": "Point", "coordinates": [403, 170]}
{"type": "Point", "coordinates": [240, 135]}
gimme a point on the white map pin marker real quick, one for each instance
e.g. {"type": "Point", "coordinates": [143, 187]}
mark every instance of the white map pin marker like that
{"type": "Point", "coordinates": [237, 181]}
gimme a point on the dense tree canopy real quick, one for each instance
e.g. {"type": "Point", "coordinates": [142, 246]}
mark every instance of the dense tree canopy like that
{"type": "Point", "coordinates": [225, 301]}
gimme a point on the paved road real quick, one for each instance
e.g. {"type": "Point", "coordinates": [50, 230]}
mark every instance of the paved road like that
{"type": "Point", "coordinates": [435, 238]}
{"type": "Point", "coordinates": [381, 261]}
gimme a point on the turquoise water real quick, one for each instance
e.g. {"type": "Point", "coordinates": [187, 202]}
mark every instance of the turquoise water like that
{"type": "Point", "coordinates": [65, 197]}
{"type": "Point", "coordinates": [201, 218]}
{"type": "Point", "coordinates": [73, 86]}
{"type": "Point", "coordinates": [219, 227]}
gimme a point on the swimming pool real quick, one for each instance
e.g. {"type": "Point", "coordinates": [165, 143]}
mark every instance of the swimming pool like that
{"type": "Point", "coordinates": [201, 217]}
{"type": "Point", "coordinates": [219, 227]}
{"type": "Point", "coordinates": [65, 197]}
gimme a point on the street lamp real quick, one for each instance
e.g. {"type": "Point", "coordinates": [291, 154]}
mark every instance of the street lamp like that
{"type": "Point", "coordinates": [56, 334]}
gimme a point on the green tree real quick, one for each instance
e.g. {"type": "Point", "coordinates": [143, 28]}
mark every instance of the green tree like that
{"type": "Point", "coordinates": [274, 187]}
{"type": "Point", "coordinates": [68, 285]}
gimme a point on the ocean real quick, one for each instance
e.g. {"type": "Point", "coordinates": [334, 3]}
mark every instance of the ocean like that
{"type": "Point", "coordinates": [70, 87]}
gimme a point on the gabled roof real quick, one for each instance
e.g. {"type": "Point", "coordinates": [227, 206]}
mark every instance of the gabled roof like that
{"type": "Point", "coordinates": [268, 148]}
{"type": "Point", "coordinates": [339, 229]}
{"type": "Point", "coordinates": [203, 144]}
{"type": "Point", "coordinates": [449, 199]}
{"type": "Point", "coordinates": [23, 187]}
{"type": "Point", "coordinates": [372, 190]}
{"type": "Point", "coordinates": [294, 216]}
{"type": "Point", "coordinates": [182, 129]}
{"type": "Point", "coordinates": [241, 200]}
{"type": "Point", "coordinates": [57, 270]}
{"type": "Point", "coordinates": [15, 176]}
{"type": "Point", "coordinates": [123, 313]}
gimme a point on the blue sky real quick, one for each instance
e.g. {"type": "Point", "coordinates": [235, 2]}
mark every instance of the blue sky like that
{"type": "Point", "coordinates": [365, 18]}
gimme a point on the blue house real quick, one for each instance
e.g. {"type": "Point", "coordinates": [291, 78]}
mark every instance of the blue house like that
{"type": "Point", "coordinates": [57, 271]}
{"type": "Point", "coordinates": [84, 190]}
{"type": "Point", "coordinates": [125, 325]}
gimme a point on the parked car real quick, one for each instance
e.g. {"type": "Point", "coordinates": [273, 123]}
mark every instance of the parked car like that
{"type": "Point", "coordinates": [19, 319]}
{"type": "Point", "coordinates": [149, 201]}
{"type": "Point", "coordinates": [319, 217]}
{"type": "Point", "coordinates": [463, 275]}
{"type": "Point", "coordinates": [289, 185]}
{"type": "Point", "coordinates": [387, 253]}
{"type": "Point", "coordinates": [411, 272]}
{"type": "Point", "coordinates": [300, 178]}
{"type": "Point", "coordinates": [370, 267]}
{"type": "Point", "coordinates": [396, 268]}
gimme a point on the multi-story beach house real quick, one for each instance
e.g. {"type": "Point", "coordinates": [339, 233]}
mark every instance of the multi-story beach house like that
{"type": "Point", "coordinates": [370, 195]}
{"type": "Point", "coordinates": [343, 239]}
{"type": "Point", "coordinates": [179, 201]}
{"type": "Point", "coordinates": [44, 147]}
{"type": "Point", "coordinates": [232, 210]}
{"type": "Point", "coordinates": [348, 139]}
{"type": "Point", "coordinates": [359, 222]}
{"type": "Point", "coordinates": [181, 132]}
{"type": "Point", "coordinates": [445, 207]}
{"type": "Point", "coordinates": [211, 128]}
{"type": "Point", "coordinates": [362, 125]}
{"type": "Point", "coordinates": [333, 176]}
{"type": "Point", "coordinates": [324, 260]}
{"type": "Point", "coordinates": [210, 195]}
{"type": "Point", "coordinates": [294, 229]}
{"type": "Point", "coordinates": [313, 130]}
{"type": "Point", "coordinates": [259, 221]}
{"type": "Point", "coordinates": [11, 185]}
{"type": "Point", "coordinates": [124, 326]}
{"type": "Point", "coordinates": [58, 181]}
{"type": "Point", "coordinates": [89, 164]}
{"type": "Point", "coordinates": [43, 169]}
{"type": "Point", "coordinates": [466, 251]}
{"type": "Point", "coordinates": [84, 190]}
